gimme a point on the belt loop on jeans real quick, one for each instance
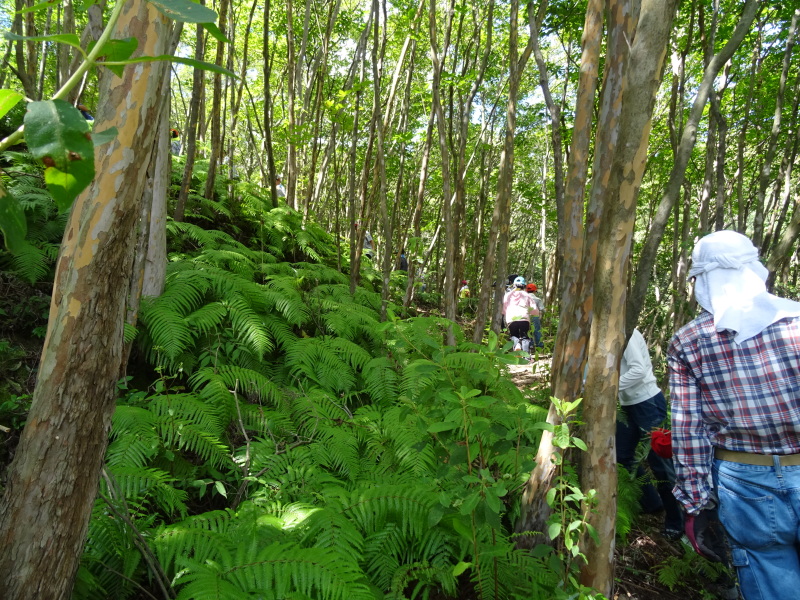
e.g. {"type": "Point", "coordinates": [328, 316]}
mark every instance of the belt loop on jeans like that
{"type": "Point", "coordinates": [750, 458]}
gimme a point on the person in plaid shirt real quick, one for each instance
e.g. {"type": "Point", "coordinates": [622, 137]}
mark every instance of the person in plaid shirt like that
{"type": "Point", "coordinates": [735, 393]}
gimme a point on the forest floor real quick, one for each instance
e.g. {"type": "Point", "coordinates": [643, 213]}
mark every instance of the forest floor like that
{"type": "Point", "coordinates": [645, 550]}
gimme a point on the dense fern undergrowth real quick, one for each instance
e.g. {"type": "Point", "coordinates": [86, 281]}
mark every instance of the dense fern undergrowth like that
{"type": "Point", "coordinates": [275, 439]}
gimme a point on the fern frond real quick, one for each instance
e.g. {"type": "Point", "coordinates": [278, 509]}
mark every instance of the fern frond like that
{"type": "Point", "coordinates": [381, 380]}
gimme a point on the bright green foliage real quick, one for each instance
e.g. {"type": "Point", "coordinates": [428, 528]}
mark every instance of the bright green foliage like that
{"type": "Point", "coordinates": [354, 458]}
{"type": "Point", "coordinates": [57, 134]}
{"type": "Point", "coordinates": [34, 257]}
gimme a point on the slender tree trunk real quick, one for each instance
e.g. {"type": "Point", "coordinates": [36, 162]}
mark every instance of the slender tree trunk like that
{"type": "Point", "coordinates": [437, 60]}
{"type": "Point", "coordinates": [576, 311]}
{"type": "Point", "coordinates": [608, 335]}
{"type": "Point", "coordinates": [217, 138]}
{"type": "Point", "coordinates": [191, 134]}
{"type": "Point", "coordinates": [53, 479]}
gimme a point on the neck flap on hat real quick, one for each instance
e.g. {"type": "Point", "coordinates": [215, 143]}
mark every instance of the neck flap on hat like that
{"type": "Point", "coordinates": [730, 284]}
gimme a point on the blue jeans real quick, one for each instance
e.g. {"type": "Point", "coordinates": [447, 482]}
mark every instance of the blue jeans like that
{"type": "Point", "coordinates": [759, 507]}
{"type": "Point", "coordinates": [537, 331]}
{"type": "Point", "coordinates": [642, 418]}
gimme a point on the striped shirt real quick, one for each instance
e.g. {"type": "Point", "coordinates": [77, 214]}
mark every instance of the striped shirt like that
{"type": "Point", "coordinates": [741, 397]}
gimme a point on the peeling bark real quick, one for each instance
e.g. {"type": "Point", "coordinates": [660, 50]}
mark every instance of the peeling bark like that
{"type": "Point", "coordinates": [54, 476]}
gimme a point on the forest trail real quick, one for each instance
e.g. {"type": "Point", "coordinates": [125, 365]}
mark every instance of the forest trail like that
{"type": "Point", "coordinates": [536, 372]}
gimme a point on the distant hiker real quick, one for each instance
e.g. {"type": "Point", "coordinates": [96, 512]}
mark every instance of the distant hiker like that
{"type": "Point", "coordinates": [463, 292]}
{"type": "Point", "coordinates": [734, 382]}
{"type": "Point", "coordinates": [403, 260]}
{"type": "Point", "coordinates": [536, 315]}
{"type": "Point", "coordinates": [175, 144]}
{"type": "Point", "coordinates": [517, 307]}
{"type": "Point", "coordinates": [367, 242]}
{"type": "Point", "coordinates": [279, 189]}
{"type": "Point", "coordinates": [511, 280]}
{"type": "Point", "coordinates": [645, 409]}
{"type": "Point", "coordinates": [85, 112]}
{"type": "Point", "coordinates": [368, 245]}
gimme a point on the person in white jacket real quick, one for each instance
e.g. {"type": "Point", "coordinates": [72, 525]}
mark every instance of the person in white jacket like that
{"type": "Point", "coordinates": [644, 409]}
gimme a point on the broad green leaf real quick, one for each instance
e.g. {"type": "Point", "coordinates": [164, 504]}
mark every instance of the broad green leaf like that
{"type": "Point", "coordinates": [103, 137]}
{"type": "Point", "coordinates": [220, 487]}
{"type": "Point", "coordinates": [482, 402]}
{"type": "Point", "coordinates": [185, 11]}
{"type": "Point", "coordinates": [550, 498]}
{"type": "Point", "coordinates": [70, 39]}
{"type": "Point", "coordinates": [58, 135]}
{"type": "Point", "coordinates": [216, 33]}
{"type": "Point", "coordinates": [470, 503]}
{"type": "Point", "coordinates": [579, 443]}
{"type": "Point", "coordinates": [8, 100]}
{"type": "Point", "coordinates": [574, 525]}
{"type": "Point", "coordinates": [12, 221]}
{"type": "Point", "coordinates": [434, 516]}
{"type": "Point", "coordinates": [553, 530]}
{"type": "Point", "coordinates": [460, 568]}
{"type": "Point", "coordinates": [443, 426]}
{"type": "Point", "coordinates": [493, 501]}
{"type": "Point", "coordinates": [114, 51]}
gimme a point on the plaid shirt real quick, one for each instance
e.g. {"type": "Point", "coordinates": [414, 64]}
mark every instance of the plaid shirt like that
{"type": "Point", "coordinates": [742, 397]}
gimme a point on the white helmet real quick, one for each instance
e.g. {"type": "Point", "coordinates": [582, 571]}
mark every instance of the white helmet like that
{"type": "Point", "coordinates": [519, 282]}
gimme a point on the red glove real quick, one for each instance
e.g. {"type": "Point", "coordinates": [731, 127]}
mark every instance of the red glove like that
{"type": "Point", "coordinates": [661, 442]}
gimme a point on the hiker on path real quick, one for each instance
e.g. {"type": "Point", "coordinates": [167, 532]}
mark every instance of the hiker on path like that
{"type": "Point", "coordinates": [536, 318]}
{"type": "Point", "coordinates": [645, 409]}
{"type": "Point", "coordinates": [517, 307]}
{"type": "Point", "coordinates": [735, 390]}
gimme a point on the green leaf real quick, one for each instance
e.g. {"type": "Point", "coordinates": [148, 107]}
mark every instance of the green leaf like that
{"type": "Point", "coordinates": [185, 11]}
{"type": "Point", "coordinates": [579, 443]}
{"type": "Point", "coordinates": [492, 343]}
{"type": "Point", "coordinates": [470, 503]}
{"type": "Point", "coordinates": [12, 221]}
{"type": "Point", "coordinates": [550, 498]}
{"type": "Point", "coordinates": [105, 136]}
{"type": "Point", "coordinates": [482, 402]}
{"type": "Point", "coordinates": [216, 33]}
{"type": "Point", "coordinates": [220, 487]}
{"type": "Point", "coordinates": [493, 501]}
{"type": "Point", "coordinates": [57, 134]}
{"type": "Point", "coordinates": [116, 50]}
{"type": "Point", "coordinates": [574, 525]}
{"type": "Point", "coordinates": [460, 568]}
{"type": "Point", "coordinates": [443, 426]}
{"type": "Point", "coordinates": [8, 100]}
{"type": "Point", "coordinates": [434, 516]}
{"type": "Point", "coordinates": [70, 39]}
{"type": "Point", "coordinates": [553, 530]}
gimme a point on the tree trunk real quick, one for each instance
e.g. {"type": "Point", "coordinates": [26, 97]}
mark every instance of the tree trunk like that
{"type": "Point", "coordinates": [53, 479]}
{"type": "Point", "coordinates": [191, 134]}
{"type": "Point", "coordinates": [217, 137]}
{"type": "Point", "coordinates": [576, 311]}
{"type": "Point", "coordinates": [608, 336]}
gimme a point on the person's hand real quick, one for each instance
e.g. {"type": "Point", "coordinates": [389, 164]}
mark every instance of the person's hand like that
{"type": "Point", "coordinates": [705, 534]}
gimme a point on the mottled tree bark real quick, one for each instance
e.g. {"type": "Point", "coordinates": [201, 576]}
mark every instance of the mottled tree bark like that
{"type": "Point", "coordinates": [608, 335]}
{"type": "Point", "coordinates": [53, 479]}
